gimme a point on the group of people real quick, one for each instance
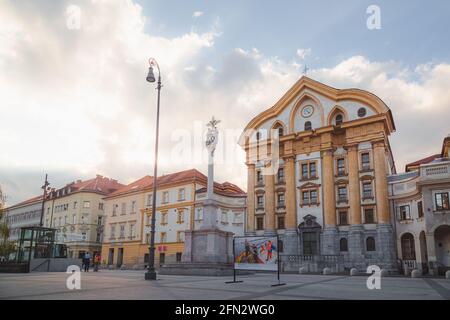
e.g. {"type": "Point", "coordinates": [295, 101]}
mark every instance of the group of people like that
{"type": "Point", "coordinates": [86, 261]}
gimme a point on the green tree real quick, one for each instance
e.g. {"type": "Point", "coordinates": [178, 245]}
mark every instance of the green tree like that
{"type": "Point", "coordinates": [6, 246]}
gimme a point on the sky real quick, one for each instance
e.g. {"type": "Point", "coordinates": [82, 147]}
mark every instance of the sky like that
{"type": "Point", "coordinates": [74, 101]}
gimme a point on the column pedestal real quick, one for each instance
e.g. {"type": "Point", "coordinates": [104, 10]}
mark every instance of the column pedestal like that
{"type": "Point", "coordinates": [385, 247]}
{"type": "Point", "coordinates": [208, 251]}
{"type": "Point", "coordinates": [290, 242]}
{"type": "Point", "coordinates": [329, 241]}
{"type": "Point", "coordinates": [356, 246]}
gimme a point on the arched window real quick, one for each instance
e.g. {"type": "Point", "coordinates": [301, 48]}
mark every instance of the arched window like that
{"type": "Point", "coordinates": [308, 125]}
{"type": "Point", "coordinates": [343, 245]}
{"type": "Point", "coordinates": [370, 244]}
{"type": "Point", "coordinates": [280, 131]}
{"type": "Point", "coordinates": [339, 119]}
{"type": "Point", "coordinates": [408, 247]}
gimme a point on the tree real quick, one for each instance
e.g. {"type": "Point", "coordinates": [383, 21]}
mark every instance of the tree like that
{"type": "Point", "coordinates": [6, 246]}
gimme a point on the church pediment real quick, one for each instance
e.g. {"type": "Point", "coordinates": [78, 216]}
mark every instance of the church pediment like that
{"type": "Point", "coordinates": [314, 91]}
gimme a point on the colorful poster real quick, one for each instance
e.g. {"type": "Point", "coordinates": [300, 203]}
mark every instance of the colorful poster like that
{"type": "Point", "coordinates": [256, 253]}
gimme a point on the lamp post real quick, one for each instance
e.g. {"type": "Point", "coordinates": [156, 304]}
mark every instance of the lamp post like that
{"type": "Point", "coordinates": [45, 186]}
{"type": "Point", "coordinates": [151, 273]}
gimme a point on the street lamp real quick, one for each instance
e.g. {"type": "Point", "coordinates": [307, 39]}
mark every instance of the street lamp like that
{"type": "Point", "coordinates": [44, 196]}
{"type": "Point", "coordinates": [151, 273]}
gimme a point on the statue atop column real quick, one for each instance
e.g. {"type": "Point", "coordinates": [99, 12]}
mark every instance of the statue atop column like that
{"type": "Point", "coordinates": [212, 137]}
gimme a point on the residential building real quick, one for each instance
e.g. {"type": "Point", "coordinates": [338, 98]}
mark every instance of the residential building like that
{"type": "Point", "coordinates": [420, 204]}
{"type": "Point", "coordinates": [178, 208]}
{"type": "Point", "coordinates": [78, 212]}
{"type": "Point", "coordinates": [24, 214]}
{"type": "Point", "coordinates": [318, 161]}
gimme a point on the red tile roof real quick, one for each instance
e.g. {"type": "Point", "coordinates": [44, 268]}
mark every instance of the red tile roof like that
{"type": "Point", "coordinates": [29, 201]}
{"type": "Point", "coordinates": [99, 184]}
{"type": "Point", "coordinates": [192, 175]}
{"type": "Point", "coordinates": [412, 165]}
{"type": "Point", "coordinates": [226, 189]}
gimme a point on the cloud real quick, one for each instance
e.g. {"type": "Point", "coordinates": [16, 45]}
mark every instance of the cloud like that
{"type": "Point", "coordinates": [76, 103]}
{"type": "Point", "coordinates": [197, 14]}
{"type": "Point", "coordinates": [303, 53]}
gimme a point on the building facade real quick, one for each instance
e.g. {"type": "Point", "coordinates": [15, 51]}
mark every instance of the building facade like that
{"type": "Point", "coordinates": [24, 214]}
{"type": "Point", "coordinates": [420, 204]}
{"type": "Point", "coordinates": [179, 208]}
{"type": "Point", "coordinates": [317, 163]}
{"type": "Point", "coordinates": [78, 212]}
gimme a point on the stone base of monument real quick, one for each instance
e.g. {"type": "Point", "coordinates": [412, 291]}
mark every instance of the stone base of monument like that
{"type": "Point", "coordinates": [207, 252]}
{"type": "Point", "coordinates": [197, 269]}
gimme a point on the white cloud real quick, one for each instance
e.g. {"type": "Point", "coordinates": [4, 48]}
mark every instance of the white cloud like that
{"type": "Point", "coordinates": [303, 53]}
{"type": "Point", "coordinates": [76, 103]}
{"type": "Point", "coordinates": [197, 14]}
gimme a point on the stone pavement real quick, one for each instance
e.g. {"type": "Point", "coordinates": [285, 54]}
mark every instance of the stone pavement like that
{"type": "Point", "coordinates": [127, 284]}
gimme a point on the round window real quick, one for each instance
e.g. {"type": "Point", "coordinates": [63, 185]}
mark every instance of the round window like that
{"type": "Point", "coordinates": [362, 112]}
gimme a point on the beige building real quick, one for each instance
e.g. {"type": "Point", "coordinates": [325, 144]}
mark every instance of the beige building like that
{"type": "Point", "coordinates": [78, 211]}
{"type": "Point", "coordinates": [421, 207]}
{"type": "Point", "coordinates": [179, 208]}
{"type": "Point", "coordinates": [318, 161]}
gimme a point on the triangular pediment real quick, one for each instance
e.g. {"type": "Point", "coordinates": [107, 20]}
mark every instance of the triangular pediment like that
{"type": "Point", "coordinates": [309, 185]}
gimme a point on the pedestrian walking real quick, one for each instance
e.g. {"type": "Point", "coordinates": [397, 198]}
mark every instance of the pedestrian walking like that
{"type": "Point", "coordinates": [87, 261]}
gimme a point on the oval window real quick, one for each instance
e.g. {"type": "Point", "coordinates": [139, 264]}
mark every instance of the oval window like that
{"type": "Point", "coordinates": [362, 112]}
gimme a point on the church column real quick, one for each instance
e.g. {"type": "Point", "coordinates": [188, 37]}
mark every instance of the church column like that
{"type": "Point", "coordinates": [385, 232]}
{"type": "Point", "coordinates": [290, 240]}
{"type": "Point", "coordinates": [269, 201]}
{"type": "Point", "coordinates": [431, 251]}
{"type": "Point", "coordinates": [291, 201]}
{"type": "Point", "coordinates": [356, 231]}
{"type": "Point", "coordinates": [379, 159]}
{"type": "Point", "coordinates": [353, 185]}
{"type": "Point", "coordinates": [250, 198]}
{"type": "Point", "coordinates": [329, 198]}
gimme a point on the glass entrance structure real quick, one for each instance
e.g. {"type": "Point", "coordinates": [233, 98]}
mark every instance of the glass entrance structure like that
{"type": "Point", "coordinates": [39, 242]}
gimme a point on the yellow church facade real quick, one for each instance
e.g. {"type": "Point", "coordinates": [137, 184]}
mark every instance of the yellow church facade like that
{"type": "Point", "coordinates": [317, 164]}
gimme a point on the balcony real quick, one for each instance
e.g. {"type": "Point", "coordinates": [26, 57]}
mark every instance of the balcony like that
{"type": "Point", "coordinates": [367, 196]}
{"type": "Point", "coordinates": [435, 171]}
{"type": "Point", "coordinates": [310, 202]}
{"type": "Point", "coordinates": [341, 173]}
{"type": "Point", "coordinates": [308, 178]}
{"type": "Point", "coordinates": [342, 199]}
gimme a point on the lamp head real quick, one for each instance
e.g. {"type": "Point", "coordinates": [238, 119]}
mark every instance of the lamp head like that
{"type": "Point", "coordinates": [151, 75]}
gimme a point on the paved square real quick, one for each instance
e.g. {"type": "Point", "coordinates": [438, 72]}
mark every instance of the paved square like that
{"type": "Point", "coordinates": [131, 285]}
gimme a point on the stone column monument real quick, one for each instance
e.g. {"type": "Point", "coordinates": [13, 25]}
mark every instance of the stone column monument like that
{"type": "Point", "coordinates": [208, 250]}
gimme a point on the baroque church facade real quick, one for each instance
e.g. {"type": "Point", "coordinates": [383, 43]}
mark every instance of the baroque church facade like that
{"type": "Point", "coordinates": [318, 162]}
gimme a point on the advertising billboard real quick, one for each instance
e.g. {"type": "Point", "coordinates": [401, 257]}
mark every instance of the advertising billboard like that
{"type": "Point", "coordinates": [256, 253]}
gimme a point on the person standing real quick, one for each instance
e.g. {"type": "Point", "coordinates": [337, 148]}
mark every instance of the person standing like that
{"type": "Point", "coordinates": [97, 260]}
{"type": "Point", "coordinates": [269, 249]}
{"type": "Point", "coordinates": [87, 261]}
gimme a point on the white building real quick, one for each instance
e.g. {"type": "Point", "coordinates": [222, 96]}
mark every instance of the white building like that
{"type": "Point", "coordinates": [24, 214]}
{"type": "Point", "coordinates": [420, 204]}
